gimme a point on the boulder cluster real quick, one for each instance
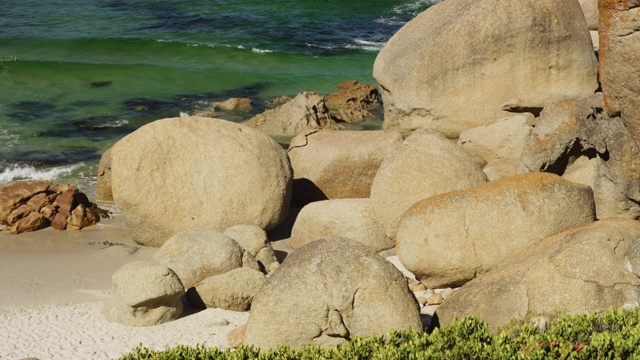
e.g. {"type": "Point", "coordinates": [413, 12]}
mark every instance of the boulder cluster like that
{"type": "Point", "coordinates": [504, 169]}
{"type": "Point", "coordinates": [34, 205]}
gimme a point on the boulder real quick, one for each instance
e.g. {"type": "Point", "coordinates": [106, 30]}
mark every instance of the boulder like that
{"type": "Point", "coordinates": [426, 164]}
{"type": "Point", "coordinates": [448, 239]}
{"type": "Point", "coordinates": [353, 101]}
{"type": "Point", "coordinates": [235, 104]}
{"type": "Point", "coordinates": [467, 63]}
{"type": "Point", "coordinates": [307, 111]}
{"type": "Point", "coordinates": [620, 60]}
{"type": "Point", "coordinates": [103, 186]}
{"type": "Point", "coordinates": [342, 218]}
{"type": "Point", "coordinates": [185, 173]}
{"type": "Point", "coordinates": [198, 254]}
{"type": "Point", "coordinates": [337, 164]}
{"type": "Point", "coordinates": [591, 268]}
{"type": "Point", "coordinates": [327, 292]}
{"type": "Point", "coordinates": [18, 193]}
{"type": "Point", "coordinates": [255, 242]}
{"type": "Point", "coordinates": [235, 337]}
{"type": "Point", "coordinates": [574, 139]}
{"type": "Point", "coordinates": [504, 139]}
{"type": "Point", "coordinates": [232, 290]}
{"type": "Point", "coordinates": [32, 222]}
{"type": "Point", "coordinates": [144, 294]}
{"type": "Point", "coordinates": [590, 11]}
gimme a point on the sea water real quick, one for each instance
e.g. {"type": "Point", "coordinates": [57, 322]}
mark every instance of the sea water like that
{"type": "Point", "coordinates": [77, 75]}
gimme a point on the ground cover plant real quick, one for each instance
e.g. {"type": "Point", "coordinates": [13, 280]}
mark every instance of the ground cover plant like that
{"type": "Point", "coordinates": [614, 334]}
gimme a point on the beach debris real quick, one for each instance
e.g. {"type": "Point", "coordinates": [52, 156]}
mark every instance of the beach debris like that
{"type": "Point", "coordinates": [34, 205]}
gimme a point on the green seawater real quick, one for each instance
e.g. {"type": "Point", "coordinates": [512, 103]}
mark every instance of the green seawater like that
{"type": "Point", "coordinates": [76, 76]}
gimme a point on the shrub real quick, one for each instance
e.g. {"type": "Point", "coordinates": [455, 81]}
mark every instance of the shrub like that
{"type": "Point", "coordinates": [614, 334]}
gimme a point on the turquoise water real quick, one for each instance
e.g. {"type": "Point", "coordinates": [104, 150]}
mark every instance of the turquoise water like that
{"type": "Point", "coordinates": [77, 75]}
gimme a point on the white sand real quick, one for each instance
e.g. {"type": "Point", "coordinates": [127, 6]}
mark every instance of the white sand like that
{"type": "Point", "coordinates": [53, 283]}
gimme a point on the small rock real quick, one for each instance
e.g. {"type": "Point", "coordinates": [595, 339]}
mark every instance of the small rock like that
{"type": "Point", "coordinates": [429, 310]}
{"type": "Point", "coordinates": [419, 287]}
{"type": "Point", "coordinates": [445, 293]}
{"type": "Point", "coordinates": [235, 337]}
{"type": "Point", "coordinates": [422, 300]}
{"type": "Point", "coordinates": [435, 299]}
{"type": "Point", "coordinates": [219, 322]}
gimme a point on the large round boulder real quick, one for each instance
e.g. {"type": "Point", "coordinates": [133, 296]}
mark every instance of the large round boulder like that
{"type": "Point", "coordinates": [183, 173]}
{"type": "Point", "coordinates": [466, 63]}
{"type": "Point", "coordinates": [327, 292]}
{"type": "Point", "coordinates": [448, 239]}
{"type": "Point", "coordinates": [426, 164]}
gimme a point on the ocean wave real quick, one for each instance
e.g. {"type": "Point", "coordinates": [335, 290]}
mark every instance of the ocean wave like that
{"type": "Point", "coordinates": [261, 51]}
{"type": "Point", "coordinates": [112, 124]}
{"type": "Point", "coordinates": [18, 172]}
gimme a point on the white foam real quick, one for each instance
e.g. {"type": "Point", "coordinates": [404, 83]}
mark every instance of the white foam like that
{"type": "Point", "coordinates": [17, 172]}
{"type": "Point", "coordinates": [261, 51]}
{"type": "Point", "coordinates": [113, 123]}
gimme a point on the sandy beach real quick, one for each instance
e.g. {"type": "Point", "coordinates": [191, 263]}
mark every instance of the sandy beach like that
{"type": "Point", "coordinates": [53, 283]}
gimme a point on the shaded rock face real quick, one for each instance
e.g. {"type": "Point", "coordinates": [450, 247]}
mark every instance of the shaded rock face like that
{"type": "Point", "coordinates": [591, 268]}
{"type": "Point", "coordinates": [574, 139]}
{"type": "Point", "coordinates": [35, 205]}
{"type": "Point", "coordinates": [448, 239]}
{"type": "Point", "coordinates": [144, 294]}
{"type": "Point", "coordinates": [198, 173]}
{"type": "Point", "coordinates": [343, 218]}
{"type": "Point", "coordinates": [435, 71]}
{"type": "Point", "coordinates": [337, 164]}
{"type": "Point", "coordinates": [619, 24]}
{"type": "Point", "coordinates": [307, 111]}
{"type": "Point", "coordinates": [327, 292]}
{"type": "Point", "coordinates": [198, 254]}
{"type": "Point", "coordinates": [103, 186]}
{"type": "Point", "coordinates": [353, 101]}
{"type": "Point", "coordinates": [426, 164]}
{"type": "Point", "coordinates": [255, 242]}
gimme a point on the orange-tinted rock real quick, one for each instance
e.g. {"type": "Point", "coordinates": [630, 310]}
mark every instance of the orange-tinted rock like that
{"type": "Point", "coordinates": [32, 222]}
{"type": "Point", "coordinates": [619, 27]}
{"type": "Point", "coordinates": [11, 196]}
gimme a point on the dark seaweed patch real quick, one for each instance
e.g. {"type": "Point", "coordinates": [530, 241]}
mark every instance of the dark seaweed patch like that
{"type": "Point", "coordinates": [100, 84]}
{"type": "Point", "coordinates": [32, 106]}
{"type": "Point", "coordinates": [64, 156]}
{"type": "Point", "coordinates": [26, 115]}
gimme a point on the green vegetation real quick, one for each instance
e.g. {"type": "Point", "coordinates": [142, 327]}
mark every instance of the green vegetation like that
{"type": "Point", "coordinates": [614, 334]}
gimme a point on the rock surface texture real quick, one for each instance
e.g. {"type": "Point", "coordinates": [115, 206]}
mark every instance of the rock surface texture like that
{"type": "Point", "coordinates": [619, 30]}
{"type": "Point", "coordinates": [426, 164]}
{"type": "Point", "coordinates": [574, 139]}
{"type": "Point", "coordinates": [344, 218]}
{"type": "Point", "coordinates": [337, 164]}
{"type": "Point", "coordinates": [435, 72]}
{"type": "Point", "coordinates": [327, 292]}
{"type": "Point", "coordinates": [307, 111]}
{"type": "Point", "coordinates": [185, 173]}
{"type": "Point", "coordinates": [144, 294]}
{"type": "Point", "coordinates": [591, 268]}
{"type": "Point", "coordinates": [353, 101]}
{"type": "Point", "coordinates": [448, 239]}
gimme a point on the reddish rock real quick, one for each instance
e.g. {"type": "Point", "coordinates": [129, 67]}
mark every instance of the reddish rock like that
{"type": "Point", "coordinates": [82, 217]}
{"type": "Point", "coordinates": [11, 196]}
{"type": "Point", "coordinates": [353, 100]}
{"type": "Point", "coordinates": [619, 23]}
{"type": "Point", "coordinates": [32, 222]}
{"type": "Point", "coordinates": [19, 213]}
